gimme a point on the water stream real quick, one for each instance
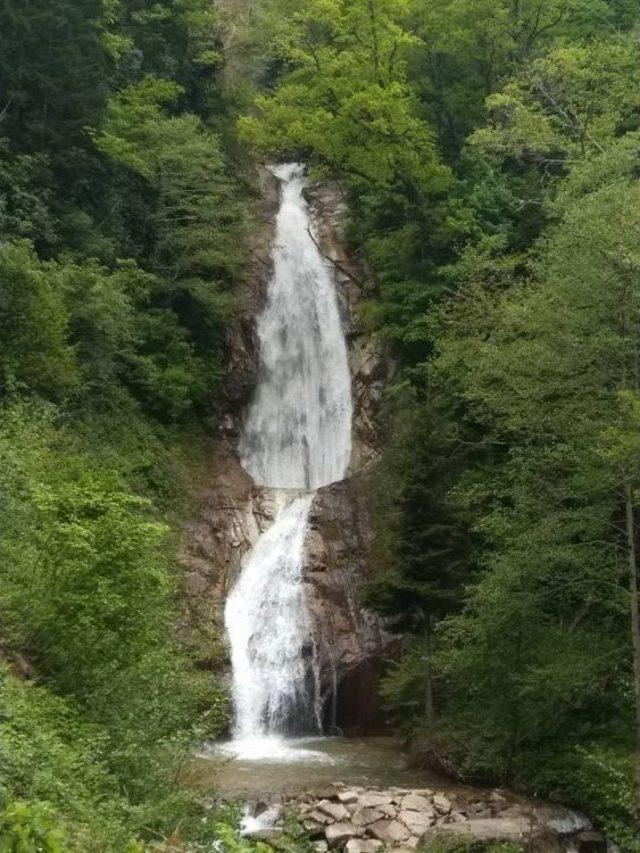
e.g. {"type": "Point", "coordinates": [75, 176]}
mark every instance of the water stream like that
{"type": "Point", "coordinates": [297, 438]}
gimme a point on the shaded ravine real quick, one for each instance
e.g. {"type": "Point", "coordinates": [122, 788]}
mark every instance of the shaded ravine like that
{"type": "Point", "coordinates": [297, 438]}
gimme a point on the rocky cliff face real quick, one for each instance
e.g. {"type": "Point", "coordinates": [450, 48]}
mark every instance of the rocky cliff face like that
{"type": "Point", "coordinates": [348, 642]}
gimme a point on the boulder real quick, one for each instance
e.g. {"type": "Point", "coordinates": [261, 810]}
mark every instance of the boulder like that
{"type": "Point", "coordinates": [339, 833]}
{"type": "Point", "coordinates": [372, 800]}
{"type": "Point", "coordinates": [363, 817]}
{"type": "Point", "coordinates": [348, 797]}
{"type": "Point", "coordinates": [319, 817]}
{"type": "Point", "coordinates": [389, 831]}
{"type": "Point", "coordinates": [336, 811]}
{"type": "Point", "coordinates": [414, 802]}
{"type": "Point", "coordinates": [313, 829]}
{"type": "Point", "coordinates": [388, 809]}
{"type": "Point", "coordinates": [416, 822]}
{"type": "Point", "coordinates": [484, 829]}
{"type": "Point", "coordinates": [561, 820]}
{"type": "Point", "coordinates": [442, 804]}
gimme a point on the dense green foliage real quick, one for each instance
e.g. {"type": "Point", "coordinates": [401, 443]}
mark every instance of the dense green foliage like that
{"type": "Point", "coordinates": [120, 234]}
{"type": "Point", "coordinates": [490, 154]}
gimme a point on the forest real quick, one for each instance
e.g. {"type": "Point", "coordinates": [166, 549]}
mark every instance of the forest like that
{"type": "Point", "coordinates": [489, 151]}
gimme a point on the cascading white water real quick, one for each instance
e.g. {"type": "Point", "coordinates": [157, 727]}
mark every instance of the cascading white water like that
{"type": "Point", "coordinates": [297, 438]}
{"type": "Point", "coordinates": [298, 431]}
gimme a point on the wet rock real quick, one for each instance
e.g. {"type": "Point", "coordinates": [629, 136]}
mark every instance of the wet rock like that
{"type": "Point", "coordinates": [320, 846]}
{"type": "Point", "coordinates": [339, 833]}
{"type": "Point", "coordinates": [389, 831]}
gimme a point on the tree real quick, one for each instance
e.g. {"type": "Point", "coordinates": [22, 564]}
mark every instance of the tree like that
{"type": "Point", "coordinates": [421, 545]}
{"type": "Point", "coordinates": [53, 73]}
{"type": "Point", "coordinates": [550, 510]}
{"type": "Point", "coordinates": [35, 349]}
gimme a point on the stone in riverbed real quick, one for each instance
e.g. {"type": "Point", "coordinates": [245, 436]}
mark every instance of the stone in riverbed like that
{"type": "Point", "coordinates": [485, 829]}
{"type": "Point", "coordinates": [388, 810]}
{"type": "Point", "coordinates": [416, 822]}
{"type": "Point", "coordinates": [336, 811]}
{"type": "Point", "coordinates": [389, 831]}
{"type": "Point", "coordinates": [363, 817]}
{"type": "Point", "coordinates": [320, 846]}
{"type": "Point", "coordinates": [363, 845]}
{"type": "Point", "coordinates": [313, 829]}
{"type": "Point", "coordinates": [457, 817]}
{"type": "Point", "coordinates": [442, 803]}
{"type": "Point", "coordinates": [372, 800]}
{"type": "Point", "coordinates": [339, 833]}
{"type": "Point", "coordinates": [319, 817]}
{"type": "Point", "coordinates": [348, 797]}
{"type": "Point", "coordinates": [416, 803]}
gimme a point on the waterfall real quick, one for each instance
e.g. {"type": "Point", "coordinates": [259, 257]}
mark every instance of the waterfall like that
{"type": "Point", "coordinates": [297, 438]}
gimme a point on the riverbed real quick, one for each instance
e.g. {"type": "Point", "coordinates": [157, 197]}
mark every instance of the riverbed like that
{"type": "Point", "coordinates": [305, 763]}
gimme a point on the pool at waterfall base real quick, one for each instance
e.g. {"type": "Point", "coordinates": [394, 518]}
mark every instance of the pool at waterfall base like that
{"type": "Point", "coordinates": [290, 765]}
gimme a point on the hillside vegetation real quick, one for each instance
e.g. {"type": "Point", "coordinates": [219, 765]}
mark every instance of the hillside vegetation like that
{"type": "Point", "coordinates": [489, 150]}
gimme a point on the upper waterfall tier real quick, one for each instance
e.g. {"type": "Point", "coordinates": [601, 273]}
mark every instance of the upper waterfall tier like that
{"type": "Point", "coordinates": [298, 429]}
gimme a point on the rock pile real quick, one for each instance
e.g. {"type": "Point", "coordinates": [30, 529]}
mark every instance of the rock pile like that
{"type": "Point", "coordinates": [367, 820]}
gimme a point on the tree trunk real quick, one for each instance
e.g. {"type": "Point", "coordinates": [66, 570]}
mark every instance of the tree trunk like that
{"type": "Point", "coordinates": [635, 624]}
